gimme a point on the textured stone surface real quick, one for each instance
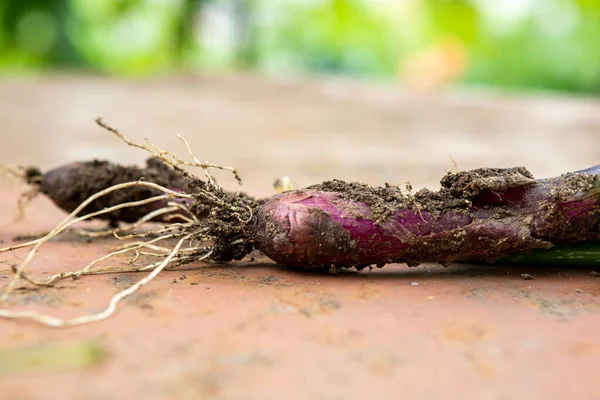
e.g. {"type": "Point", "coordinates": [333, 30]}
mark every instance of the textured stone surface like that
{"type": "Point", "coordinates": [256, 331]}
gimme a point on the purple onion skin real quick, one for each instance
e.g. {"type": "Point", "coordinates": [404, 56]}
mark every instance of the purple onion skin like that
{"type": "Point", "coordinates": [311, 228]}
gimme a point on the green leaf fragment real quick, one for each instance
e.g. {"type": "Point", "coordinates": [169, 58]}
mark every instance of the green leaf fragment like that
{"type": "Point", "coordinates": [574, 254]}
{"type": "Point", "coordinates": [51, 357]}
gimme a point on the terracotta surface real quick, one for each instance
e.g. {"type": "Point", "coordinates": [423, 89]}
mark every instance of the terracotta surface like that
{"type": "Point", "coordinates": [251, 330]}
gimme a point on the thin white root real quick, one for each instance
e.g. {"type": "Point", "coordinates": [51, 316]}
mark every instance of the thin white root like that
{"type": "Point", "coordinates": [205, 166]}
{"type": "Point", "coordinates": [56, 231]}
{"type": "Point", "coordinates": [164, 250]}
{"type": "Point", "coordinates": [169, 218]}
{"type": "Point", "coordinates": [159, 249]}
{"type": "Point", "coordinates": [171, 159]}
{"type": "Point", "coordinates": [454, 168]}
{"type": "Point", "coordinates": [177, 163]}
{"type": "Point", "coordinates": [19, 172]}
{"type": "Point", "coordinates": [168, 194]}
{"type": "Point", "coordinates": [190, 230]}
{"type": "Point", "coordinates": [107, 312]}
{"type": "Point", "coordinates": [67, 222]}
{"type": "Point", "coordinates": [146, 218]}
{"type": "Point", "coordinates": [24, 200]}
{"type": "Point", "coordinates": [185, 210]}
{"type": "Point", "coordinates": [87, 270]}
{"type": "Point", "coordinates": [170, 228]}
{"type": "Point", "coordinates": [13, 171]}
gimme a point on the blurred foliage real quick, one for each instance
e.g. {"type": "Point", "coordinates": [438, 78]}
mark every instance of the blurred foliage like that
{"type": "Point", "coordinates": [114, 36]}
{"type": "Point", "coordinates": [547, 44]}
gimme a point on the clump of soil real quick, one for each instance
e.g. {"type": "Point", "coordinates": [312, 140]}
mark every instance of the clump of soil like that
{"type": "Point", "coordinates": [467, 184]}
{"type": "Point", "coordinates": [573, 184]}
{"type": "Point", "coordinates": [69, 186]}
{"type": "Point", "coordinates": [457, 192]}
{"type": "Point", "coordinates": [224, 218]}
{"type": "Point", "coordinates": [484, 186]}
{"type": "Point", "coordinates": [383, 201]}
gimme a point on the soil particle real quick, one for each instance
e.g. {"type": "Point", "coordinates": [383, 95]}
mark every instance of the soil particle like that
{"type": "Point", "coordinates": [268, 279]}
{"type": "Point", "coordinates": [46, 299]}
{"type": "Point", "coordinates": [29, 236]}
{"type": "Point", "coordinates": [526, 277]}
{"type": "Point", "coordinates": [122, 281]}
{"type": "Point", "coordinates": [141, 300]}
{"type": "Point", "coordinates": [572, 184]}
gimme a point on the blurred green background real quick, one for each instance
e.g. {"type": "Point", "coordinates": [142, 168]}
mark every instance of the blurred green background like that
{"type": "Point", "coordinates": [525, 44]}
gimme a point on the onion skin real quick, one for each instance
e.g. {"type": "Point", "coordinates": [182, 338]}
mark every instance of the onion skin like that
{"type": "Point", "coordinates": [312, 228]}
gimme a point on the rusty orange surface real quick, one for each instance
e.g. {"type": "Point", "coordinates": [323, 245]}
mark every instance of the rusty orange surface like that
{"type": "Point", "coordinates": [253, 330]}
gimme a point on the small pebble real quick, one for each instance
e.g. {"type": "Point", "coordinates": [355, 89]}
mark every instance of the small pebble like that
{"type": "Point", "coordinates": [594, 273]}
{"type": "Point", "coordinates": [579, 290]}
{"type": "Point", "coordinates": [414, 283]}
{"type": "Point", "coordinates": [526, 277]}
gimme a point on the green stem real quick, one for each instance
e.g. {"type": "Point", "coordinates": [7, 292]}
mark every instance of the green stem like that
{"type": "Point", "coordinates": [572, 255]}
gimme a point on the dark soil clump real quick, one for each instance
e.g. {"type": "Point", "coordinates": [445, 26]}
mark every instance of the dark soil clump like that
{"type": "Point", "coordinates": [467, 184]}
{"type": "Point", "coordinates": [383, 201]}
{"type": "Point", "coordinates": [573, 184]}
{"type": "Point", "coordinates": [457, 192]}
{"type": "Point", "coordinates": [69, 186]}
{"type": "Point", "coordinates": [224, 217]}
